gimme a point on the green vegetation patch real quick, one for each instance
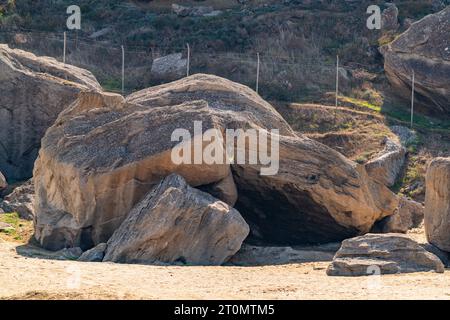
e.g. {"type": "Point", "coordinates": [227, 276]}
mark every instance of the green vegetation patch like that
{"type": "Point", "coordinates": [19, 230]}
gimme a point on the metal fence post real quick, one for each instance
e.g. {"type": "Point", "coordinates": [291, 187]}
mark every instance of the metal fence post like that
{"type": "Point", "coordinates": [257, 73]}
{"type": "Point", "coordinates": [412, 99]}
{"type": "Point", "coordinates": [188, 65]}
{"type": "Point", "coordinates": [123, 70]}
{"type": "Point", "coordinates": [65, 47]}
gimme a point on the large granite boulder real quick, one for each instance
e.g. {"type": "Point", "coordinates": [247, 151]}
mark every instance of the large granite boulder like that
{"type": "Point", "coordinates": [437, 203]}
{"type": "Point", "coordinates": [34, 91]}
{"type": "Point", "coordinates": [177, 223]}
{"type": "Point", "coordinates": [386, 253]}
{"type": "Point", "coordinates": [424, 48]}
{"type": "Point", "coordinates": [104, 154]}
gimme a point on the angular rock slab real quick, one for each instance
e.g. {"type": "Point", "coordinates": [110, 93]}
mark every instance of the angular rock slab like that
{"type": "Point", "coordinates": [388, 164]}
{"type": "Point", "coordinates": [34, 91]}
{"type": "Point", "coordinates": [177, 223]}
{"type": "Point", "coordinates": [437, 203]}
{"type": "Point", "coordinates": [388, 253]}
{"type": "Point", "coordinates": [424, 48]}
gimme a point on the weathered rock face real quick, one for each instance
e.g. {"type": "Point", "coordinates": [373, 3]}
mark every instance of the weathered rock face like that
{"type": "Point", "coordinates": [3, 183]}
{"type": "Point", "coordinates": [34, 91]}
{"type": "Point", "coordinates": [177, 223]}
{"type": "Point", "coordinates": [104, 154]}
{"type": "Point", "coordinates": [387, 253]}
{"type": "Point", "coordinates": [95, 167]}
{"type": "Point", "coordinates": [21, 200]}
{"type": "Point", "coordinates": [237, 105]}
{"type": "Point", "coordinates": [388, 164]}
{"type": "Point", "coordinates": [424, 48]}
{"type": "Point", "coordinates": [408, 215]}
{"type": "Point", "coordinates": [437, 203]}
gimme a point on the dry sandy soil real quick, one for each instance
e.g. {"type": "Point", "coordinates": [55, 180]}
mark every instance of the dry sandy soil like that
{"type": "Point", "coordinates": [25, 277]}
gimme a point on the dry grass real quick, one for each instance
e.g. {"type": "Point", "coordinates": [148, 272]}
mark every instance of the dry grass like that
{"type": "Point", "coordinates": [359, 135]}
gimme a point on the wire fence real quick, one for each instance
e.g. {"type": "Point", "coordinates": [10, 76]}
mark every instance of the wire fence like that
{"type": "Point", "coordinates": [287, 77]}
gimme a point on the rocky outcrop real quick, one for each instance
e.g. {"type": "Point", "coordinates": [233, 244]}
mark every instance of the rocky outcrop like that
{"type": "Point", "coordinates": [437, 203]}
{"type": "Point", "coordinates": [21, 200]}
{"type": "Point", "coordinates": [177, 223]}
{"type": "Point", "coordinates": [384, 253]}
{"type": "Point", "coordinates": [3, 183]}
{"type": "Point", "coordinates": [388, 164]}
{"type": "Point", "coordinates": [34, 91]}
{"type": "Point", "coordinates": [423, 48]}
{"type": "Point", "coordinates": [389, 18]}
{"type": "Point", "coordinates": [408, 215]}
{"type": "Point", "coordinates": [104, 154]}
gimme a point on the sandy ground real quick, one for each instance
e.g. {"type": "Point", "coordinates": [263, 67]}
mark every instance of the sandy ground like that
{"type": "Point", "coordinates": [23, 277]}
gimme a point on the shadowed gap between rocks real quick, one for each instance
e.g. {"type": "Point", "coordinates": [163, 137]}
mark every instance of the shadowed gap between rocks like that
{"type": "Point", "coordinates": [276, 219]}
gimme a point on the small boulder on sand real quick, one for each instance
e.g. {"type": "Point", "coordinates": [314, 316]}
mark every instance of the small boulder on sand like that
{"type": "Point", "coordinates": [382, 254]}
{"type": "Point", "coordinates": [95, 254]}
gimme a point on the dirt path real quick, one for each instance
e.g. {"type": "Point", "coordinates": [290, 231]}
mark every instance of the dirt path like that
{"type": "Point", "coordinates": [32, 278]}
